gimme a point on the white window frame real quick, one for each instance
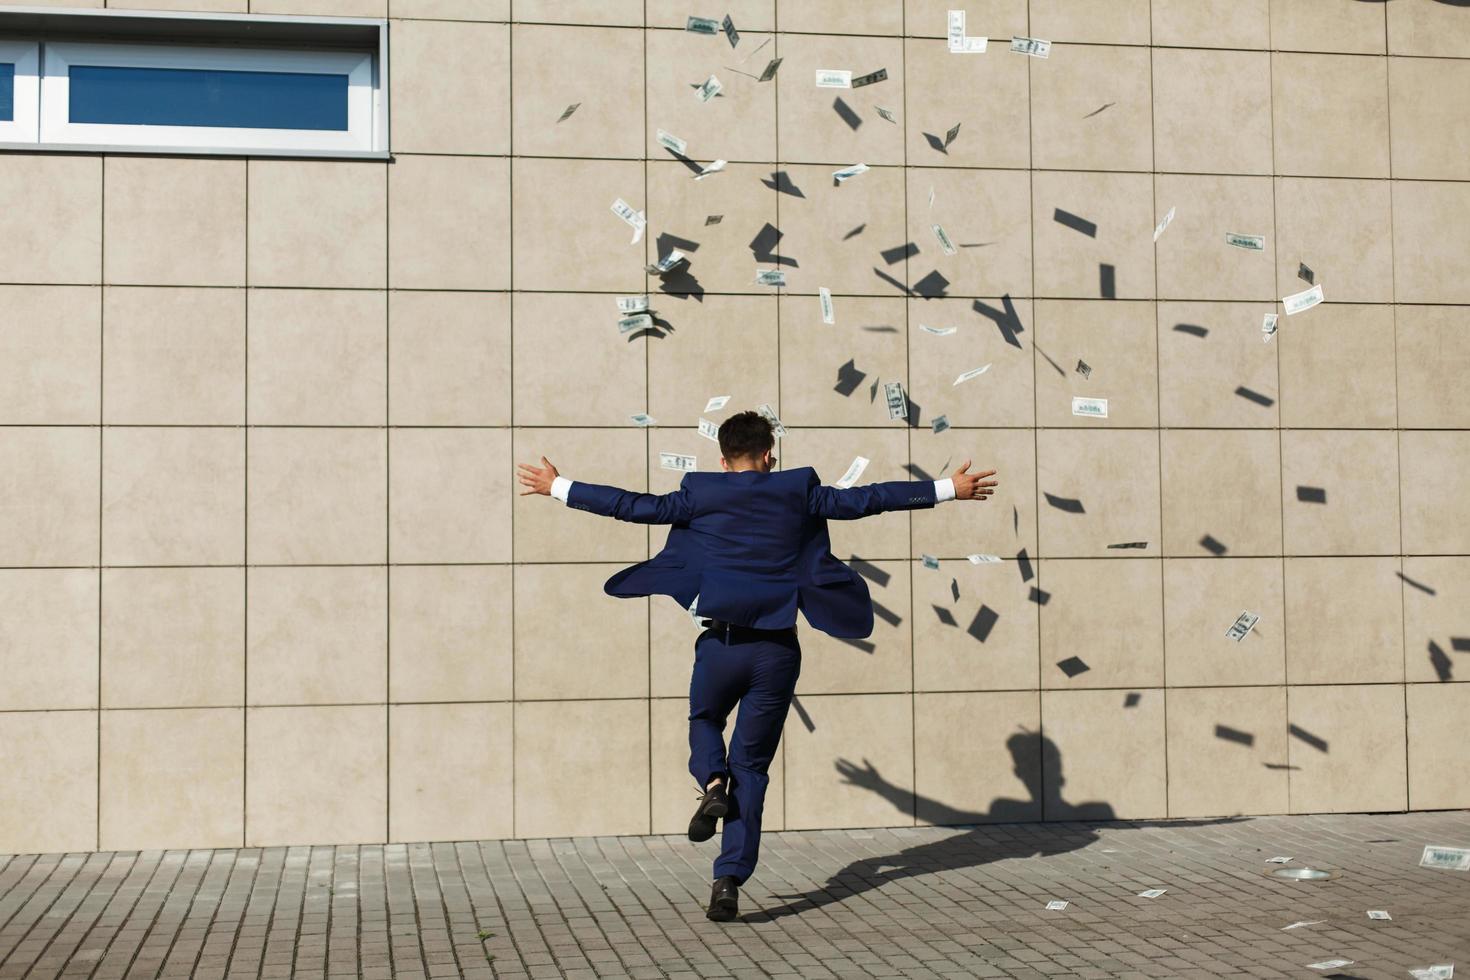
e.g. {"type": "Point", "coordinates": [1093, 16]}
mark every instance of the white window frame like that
{"type": "Point", "coordinates": [56, 127]}
{"type": "Point", "coordinates": [24, 128]}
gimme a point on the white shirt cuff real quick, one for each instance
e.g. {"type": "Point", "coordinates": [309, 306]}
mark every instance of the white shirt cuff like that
{"type": "Point", "coordinates": [943, 490]}
{"type": "Point", "coordinates": [561, 486]}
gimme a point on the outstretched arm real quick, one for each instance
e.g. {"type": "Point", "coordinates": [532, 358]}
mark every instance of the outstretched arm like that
{"type": "Point", "coordinates": [625, 505]}
{"type": "Point", "coordinates": [875, 498]}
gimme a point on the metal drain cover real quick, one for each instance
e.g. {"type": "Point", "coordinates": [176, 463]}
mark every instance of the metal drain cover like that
{"type": "Point", "coordinates": [1300, 874]}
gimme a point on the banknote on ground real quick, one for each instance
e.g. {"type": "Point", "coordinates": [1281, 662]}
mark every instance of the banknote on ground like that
{"type": "Point", "coordinates": [1449, 858]}
{"type": "Point", "coordinates": [1056, 905]}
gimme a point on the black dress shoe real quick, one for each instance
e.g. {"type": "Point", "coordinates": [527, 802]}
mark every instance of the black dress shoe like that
{"type": "Point", "coordinates": [714, 805]}
{"type": "Point", "coordinates": [724, 900]}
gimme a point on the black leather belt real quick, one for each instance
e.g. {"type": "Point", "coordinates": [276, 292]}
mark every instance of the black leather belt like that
{"type": "Point", "coordinates": [734, 631]}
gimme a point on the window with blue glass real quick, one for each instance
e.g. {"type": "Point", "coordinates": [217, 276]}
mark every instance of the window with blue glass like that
{"type": "Point", "coordinates": [7, 92]}
{"type": "Point", "coordinates": [143, 96]}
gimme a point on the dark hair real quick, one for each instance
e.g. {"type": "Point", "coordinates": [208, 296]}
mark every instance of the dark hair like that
{"type": "Point", "coordinates": [746, 435]}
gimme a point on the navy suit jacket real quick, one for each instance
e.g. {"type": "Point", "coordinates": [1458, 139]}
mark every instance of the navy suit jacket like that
{"type": "Point", "coordinates": [753, 546]}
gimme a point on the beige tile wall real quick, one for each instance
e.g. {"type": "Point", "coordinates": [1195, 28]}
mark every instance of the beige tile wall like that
{"type": "Point", "coordinates": [264, 578]}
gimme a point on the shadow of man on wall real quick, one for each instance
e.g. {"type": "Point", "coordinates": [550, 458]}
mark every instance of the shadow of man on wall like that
{"type": "Point", "coordinates": [1037, 763]}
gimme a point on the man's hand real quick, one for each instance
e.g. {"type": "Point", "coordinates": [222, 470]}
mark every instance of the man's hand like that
{"type": "Point", "coordinates": [538, 478]}
{"type": "Point", "coordinates": [972, 486]}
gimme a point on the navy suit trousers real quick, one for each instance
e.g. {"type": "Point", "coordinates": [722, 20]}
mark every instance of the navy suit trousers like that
{"type": "Point", "coordinates": [761, 675]}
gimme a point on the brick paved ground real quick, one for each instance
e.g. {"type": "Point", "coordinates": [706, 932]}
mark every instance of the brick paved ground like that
{"type": "Point", "coordinates": [893, 903]}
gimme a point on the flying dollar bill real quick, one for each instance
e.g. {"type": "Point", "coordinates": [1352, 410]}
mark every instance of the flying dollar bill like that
{"type": "Point", "coordinates": [634, 219]}
{"type": "Point", "coordinates": [898, 403]}
{"type": "Point", "coordinates": [871, 78]}
{"type": "Point", "coordinates": [1159, 228]}
{"type": "Point", "coordinates": [833, 78]}
{"type": "Point", "coordinates": [1268, 326]}
{"type": "Point", "coordinates": [709, 89]}
{"type": "Point", "coordinates": [938, 331]}
{"type": "Point", "coordinates": [886, 114]}
{"type": "Point", "coordinates": [1084, 369]}
{"type": "Point", "coordinates": [731, 34]}
{"type": "Point", "coordinates": [944, 241]}
{"type": "Point", "coordinates": [643, 420]}
{"type": "Point", "coordinates": [1096, 408]}
{"type": "Point", "coordinates": [1033, 46]}
{"type": "Point", "coordinates": [984, 559]}
{"type": "Point", "coordinates": [702, 25]}
{"type": "Point", "coordinates": [668, 263]}
{"type": "Point", "coordinates": [848, 173]}
{"type": "Point", "coordinates": [567, 112]}
{"type": "Point", "coordinates": [940, 424]}
{"type": "Point", "coordinates": [855, 470]}
{"type": "Point", "coordinates": [632, 304]}
{"type": "Point", "coordinates": [677, 462]}
{"type": "Point", "coordinates": [1304, 272]}
{"type": "Point", "coordinates": [972, 373]}
{"type": "Point", "coordinates": [929, 561]}
{"type": "Point", "coordinates": [1448, 858]}
{"type": "Point", "coordinates": [1252, 243]}
{"type": "Point", "coordinates": [713, 219]}
{"type": "Point", "coordinates": [1243, 624]}
{"type": "Point", "coordinates": [770, 277]}
{"type": "Point", "coordinates": [709, 430]}
{"type": "Point", "coordinates": [956, 36]}
{"type": "Point", "coordinates": [973, 45]}
{"type": "Point", "coordinates": [714, 168]}
{"type": "Point", "coordinates": [949, 136]}
{"type": "Point", "coordinates": [671, 142]}
{"type": "Point", "coordinates": [1304, 300]}
{"type": "Point", "coordinates": [769, 413]}
{"type": "Point", "coordinates": [638, 321]}
{"type": "Point", "coordinates": [770, 71]}
{"type": "Point", "coordinates": [824, 296]}
{"type": "Point", "coordinates": [716, 403]}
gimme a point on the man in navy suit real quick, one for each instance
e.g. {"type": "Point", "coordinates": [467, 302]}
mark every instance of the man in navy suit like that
{"type": "Point", "coordinates": [746, 549]}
